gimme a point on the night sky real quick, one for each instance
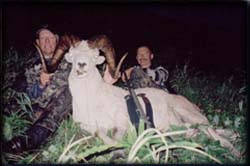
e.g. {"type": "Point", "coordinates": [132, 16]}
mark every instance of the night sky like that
{"type": "Point", "coordinates": [211, 35]}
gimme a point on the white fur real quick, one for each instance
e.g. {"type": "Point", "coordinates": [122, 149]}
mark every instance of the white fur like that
{"type": "Point", "coordinates": [99, 106]}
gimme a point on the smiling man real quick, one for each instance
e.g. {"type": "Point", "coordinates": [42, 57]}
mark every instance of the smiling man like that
{"type": "Point", "coordinates": [144, 57]}
{"type": "Point", "coordinates": [144, 74]}
{"type": "Point", "coordinates": [47, 41]}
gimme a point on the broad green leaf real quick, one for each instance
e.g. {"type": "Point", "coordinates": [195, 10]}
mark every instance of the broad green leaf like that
{"type": "Point", "coordinates": [141, 127]}
{"type": "Point", "coordinates": [131, 135]}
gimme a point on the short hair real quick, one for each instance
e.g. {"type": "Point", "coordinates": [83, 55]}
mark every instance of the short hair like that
{"type": "Point", "coordinates": [145, 47]}
{"type": "Point", "coordinates": [45, 27]}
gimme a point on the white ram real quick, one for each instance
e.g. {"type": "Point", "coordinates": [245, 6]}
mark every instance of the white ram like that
{"type": "Point", "coordinates": [100, 107]}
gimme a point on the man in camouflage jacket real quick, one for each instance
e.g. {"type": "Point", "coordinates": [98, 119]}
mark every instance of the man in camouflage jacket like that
{"type": "Point", "coordinates": [50, 93]}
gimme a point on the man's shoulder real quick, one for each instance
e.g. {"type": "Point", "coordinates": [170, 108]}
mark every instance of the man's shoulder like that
{"type": "Point", "coordinates": [162, 73]}
{"type": "Point", "coordinates": [160, 68]}
{"type": "Point", "coordinates": [32, 58]}
{"type": "Point", "coordinates": [64, 65]}
{"type": "Point", "coordinates": [62, 71]}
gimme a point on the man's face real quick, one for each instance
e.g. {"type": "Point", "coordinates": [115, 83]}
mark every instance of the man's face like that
{"type": "Point", "coordinates": [47, 41]}
{"type": "Point", "coordinates": [144, 57]}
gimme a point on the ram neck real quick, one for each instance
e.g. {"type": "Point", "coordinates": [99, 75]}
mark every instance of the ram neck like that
{"type": "Point", "coordinates": [89, 85]}
{"type": "Point", "coordinates": [87, 91]}
{"type": "Point", "coordinates": [93, 83]}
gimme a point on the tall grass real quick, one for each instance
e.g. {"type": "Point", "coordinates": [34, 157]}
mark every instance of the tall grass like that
{"type": "Point", "coordinates": [224, 103]}
{"type": "Point", "coordinates": [218, 100]}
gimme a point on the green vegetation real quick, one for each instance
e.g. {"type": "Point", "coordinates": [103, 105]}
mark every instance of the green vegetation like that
{"type": "Point", "coordinates": [224, 104]}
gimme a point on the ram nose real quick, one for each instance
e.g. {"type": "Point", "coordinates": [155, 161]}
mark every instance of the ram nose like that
{"type": "Point", "coordinates": [81, 65]}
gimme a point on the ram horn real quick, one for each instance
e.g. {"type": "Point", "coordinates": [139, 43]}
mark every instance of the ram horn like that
{"type": "Point", "coordinates": [65, 42]}
{"type": "Point", "coordinates": [116, 75]}
{"type": "Point", "coordinates": [103, 43]}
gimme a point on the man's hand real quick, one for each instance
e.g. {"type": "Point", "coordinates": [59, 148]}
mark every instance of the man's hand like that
{"type": "Point", "coordinates": [44, 78]}
{"type": "Point", "coordinates": [108, 78]}
{"type": "Point", "coordinates": [128, 72]}
{"type": "Point", "coordinates": [66, 41]}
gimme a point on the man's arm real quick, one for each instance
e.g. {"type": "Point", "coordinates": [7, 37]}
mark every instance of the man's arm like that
{"type": "Point", "coordinates": [32, 78]}
{"type": "Point", "coordinates": [161, 78]}
{"type": "Point", "coordinates": [34, 90]}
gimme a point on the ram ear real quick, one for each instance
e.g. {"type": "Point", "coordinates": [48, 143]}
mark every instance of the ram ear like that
{"type": "Point", "coordinates": [69, 57]}
{"type": "Point", "coordinates": [99, 60]}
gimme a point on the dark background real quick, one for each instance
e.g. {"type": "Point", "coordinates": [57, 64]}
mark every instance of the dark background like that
{"type": "Point", "coordinates": [211, 35]}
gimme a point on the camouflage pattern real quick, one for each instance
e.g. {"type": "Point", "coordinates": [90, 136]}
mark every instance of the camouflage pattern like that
{"type": "Point", "coordinates": [32, 79]}
{"type": "Point", "coordinates": [58, 82]}
{"type": "Point", "coordinates": [141, 79]}
{"type": "Point", "coordinates": [54, 104]}
{"type": "Point", "coordinates": [56, 98]}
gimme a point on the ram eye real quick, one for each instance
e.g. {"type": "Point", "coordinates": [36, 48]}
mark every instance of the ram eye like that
{"type": "Point", "coordinates": [81, 64]}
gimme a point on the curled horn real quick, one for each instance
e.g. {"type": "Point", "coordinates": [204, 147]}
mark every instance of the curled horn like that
{"type": "Point", "coordinates": [56, 59]}
{"type": "Point", "coordinates": [104, 44]}
{"type": "Point", "coordinates": [65, 42]}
